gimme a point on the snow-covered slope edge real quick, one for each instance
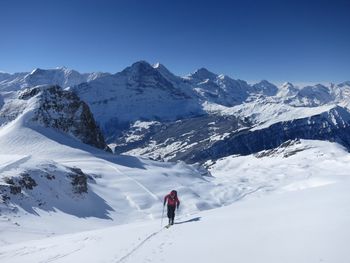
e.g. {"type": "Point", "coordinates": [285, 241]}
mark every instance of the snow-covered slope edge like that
{"type": "Point", "coordinates": [52, 183]}
{"type": "Point", "coordinates": [305, 220]}
{"type": "Point", "coordinates": [52, 107]}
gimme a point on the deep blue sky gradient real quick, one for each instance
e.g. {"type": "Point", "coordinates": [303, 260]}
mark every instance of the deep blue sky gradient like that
{"type": "Point", "coordinates": [299, 41]}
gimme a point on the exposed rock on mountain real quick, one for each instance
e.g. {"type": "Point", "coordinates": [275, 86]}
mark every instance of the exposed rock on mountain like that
{"type": "Point", "coordinates": [64, 111]}
{"type": "Point", "coordinates": [333, 125]}
{"type": "Point", "coordinates": [147, 110]}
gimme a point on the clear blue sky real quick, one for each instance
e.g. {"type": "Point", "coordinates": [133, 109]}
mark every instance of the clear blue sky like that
{"type": "Point", "coordinates": [252, 40]}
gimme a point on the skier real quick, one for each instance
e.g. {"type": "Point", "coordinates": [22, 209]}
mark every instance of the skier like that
{"type": "Point", "coordinates": [173, 202]}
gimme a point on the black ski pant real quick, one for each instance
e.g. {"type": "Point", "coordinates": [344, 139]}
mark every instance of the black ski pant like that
{"type": "Point", "coordinates": [171, 213]}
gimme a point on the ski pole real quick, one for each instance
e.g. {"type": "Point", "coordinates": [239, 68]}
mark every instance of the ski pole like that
{"type": "Point", "coordinates": [161, 224]}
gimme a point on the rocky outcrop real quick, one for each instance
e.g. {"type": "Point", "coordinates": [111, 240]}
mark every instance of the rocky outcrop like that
{"type": "Point", "coordinates": [173, 141]}
{"type": "Point", "coordinates": [79, 180]}
{"type": "Point", "coordinates": [64, 111]}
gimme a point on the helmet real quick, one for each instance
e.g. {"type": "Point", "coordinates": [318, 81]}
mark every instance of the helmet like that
{"type": "Point", "coordinates": [173, 192]}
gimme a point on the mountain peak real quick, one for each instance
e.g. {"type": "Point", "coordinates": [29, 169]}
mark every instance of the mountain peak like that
{"type": "Point", "coordinates": [139, 67]}
{"type": "Point", "coordinates": [36, 71]}
{"type": "Point", "coordinates": [266, 88]}
{"type": "Point", "coordinates": [203, 74]}
{"type": "Point", "coordinates": [165, 72]}
{"type": "Point", "coordinates": [287, 85]}
{"type": "Point", "coordinates": [141, 63]}
{"type": "Point", "coordinates": [160, 67]}
{"type": "Point", "coordinates": [264, 83]}
{"type": "Point", "coordinates": [345, 83]}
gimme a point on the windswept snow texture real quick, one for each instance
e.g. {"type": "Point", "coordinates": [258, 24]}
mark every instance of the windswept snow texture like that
{"type": "Point", "coordinates": [291, 206]}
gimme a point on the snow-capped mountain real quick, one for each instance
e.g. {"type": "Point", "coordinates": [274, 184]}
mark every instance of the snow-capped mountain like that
{"type": "Point", "coordinates": [313, 96]}
{"type": "Point", "coordinates": [219, 89]}
{"type": "Point", "coordinates": [63, 77]}
{"type": "Point", "coordinates": [286, 90]}
{"type": "Point", "coordinates": [56, 178]}
{"type": "Point", "coordinates": [147, 110]}
{"type": "Point", "coordinates": [4, 75]}
{"type": "Point", "coordinates": [342, 91]}
{"type": "Point", "coordinates": [265, 88]}
{"type": "Point", "coordinates": [52, 107]}
{"type": "Point", "coordinates": [138, 92]}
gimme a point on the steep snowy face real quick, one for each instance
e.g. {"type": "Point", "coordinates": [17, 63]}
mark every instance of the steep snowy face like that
{"type": "Point", "coordinates": [60, 76]}
{"type": "Point", "coordinates": [166, 73]}
{"type": "Point", "coordinates": [12, 81]}
{"type": "Point", "coordinates": [4, 76]}
{"type": "Point", "coordinates": [342, 91]}
{"type": "Point", "coordinates": [313, 96]}
{"type": "Point", "coordinates": [138, 92]}
{"type": "Point", "coordinates": [237, 91]}
{"type": "Point", "coordinates": [201, 75]}
{"type": "Point", "coordinates": [287, 89]}
{"type": "Point", "coordinates": [52, 107]}
{"type": "Point", "coordinates": [219, 89]}
{"type": "Point", "coordinates": [265, 88]}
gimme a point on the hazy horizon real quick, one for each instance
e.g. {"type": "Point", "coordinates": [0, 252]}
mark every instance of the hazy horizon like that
{"type": "Point", "coordinates": [296, 41]}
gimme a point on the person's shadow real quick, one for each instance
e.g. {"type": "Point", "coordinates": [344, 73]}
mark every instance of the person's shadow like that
{"type": "Point", "coordinates": [195, 219]}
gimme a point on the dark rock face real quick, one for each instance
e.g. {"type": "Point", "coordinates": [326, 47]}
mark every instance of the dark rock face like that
{"type": "Point", "coordinates": [49, 186]}
{"type": "Point", "coordinates": [27, 182]}
{"type": "Point", "coordinates": [331, 126]}
{"type": "Point", "coordinates": [266, 88]}
{"type": "Point", "coordinates": [16, 184]}
{"type": "Point", "coordinates": [281, 150]}
{"type": "Point", "coordinates": [190, 136]}
{"type": "Point", "coordinates": [64, 111]}
{"type": "Point", "coordinates": [79, 181]}
{"type": "Point", "coordinates": [142, 76]}
{"type": "Point", "coordinates": [209, 137]}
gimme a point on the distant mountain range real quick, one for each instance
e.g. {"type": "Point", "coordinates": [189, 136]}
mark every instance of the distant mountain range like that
{"type": "Point", "coordinates": [147, 110]}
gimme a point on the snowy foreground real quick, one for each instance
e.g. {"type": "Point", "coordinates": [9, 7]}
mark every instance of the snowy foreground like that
{"type": "Point", "coordinates": [290, 204]}
{"type": "Point", "coordinates": [309, 222]}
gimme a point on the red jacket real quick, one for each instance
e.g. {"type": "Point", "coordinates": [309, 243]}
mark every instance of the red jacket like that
{"type": "Point", "coordinates": [172, 201]}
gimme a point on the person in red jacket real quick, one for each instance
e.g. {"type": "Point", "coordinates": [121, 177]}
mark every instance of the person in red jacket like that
{"type": "Point", "coordinates": [173, 202]}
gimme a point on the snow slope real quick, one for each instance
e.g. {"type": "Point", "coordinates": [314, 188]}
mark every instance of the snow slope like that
{"type": "Point", "coordinates": [120, 189]}
{"type": "Point", "coordinates": [65, 201]}
{"type": "Point", "coordinates": [51, 183]}
{"type": "Point", "coordinates": [306, 219]}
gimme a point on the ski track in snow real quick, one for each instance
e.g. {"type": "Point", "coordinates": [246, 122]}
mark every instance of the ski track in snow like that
{"type": "Point", "coordinates": [148, 238]}
{"type": "Point", "coordinates": [243, 195]}
{"type": "Point", "coordinates": [155, 197]}
{"type": "Point", "coordinates": [144, 188]}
